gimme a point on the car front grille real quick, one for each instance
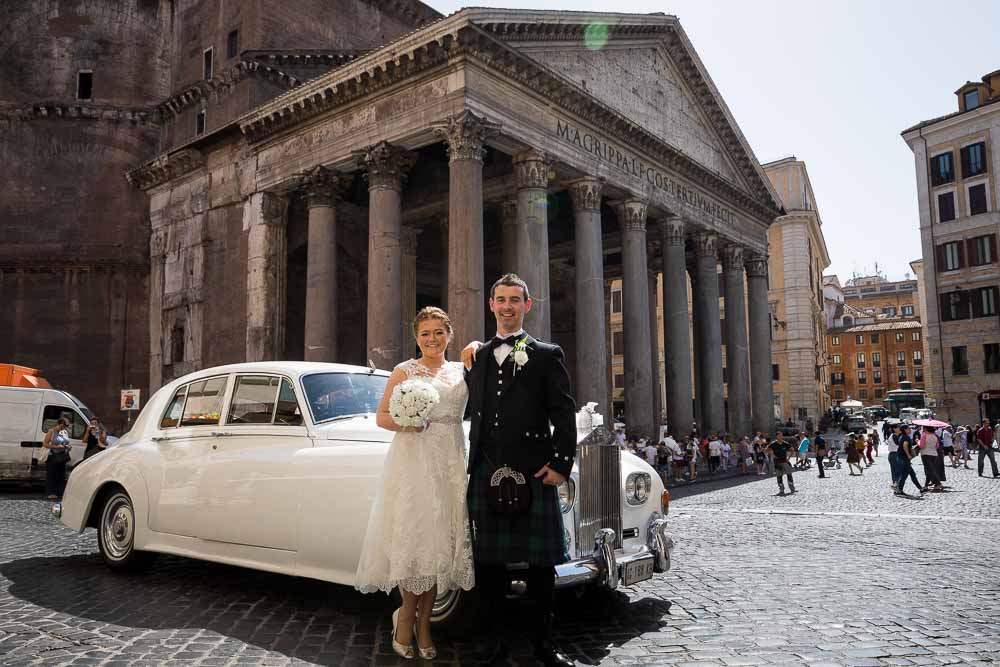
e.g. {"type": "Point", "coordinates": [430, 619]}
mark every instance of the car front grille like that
{"type": "Point", "coordinates": [600, 489]}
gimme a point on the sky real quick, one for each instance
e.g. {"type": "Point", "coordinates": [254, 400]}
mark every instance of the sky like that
{"type": "Point", "coordinates": [833, 83]}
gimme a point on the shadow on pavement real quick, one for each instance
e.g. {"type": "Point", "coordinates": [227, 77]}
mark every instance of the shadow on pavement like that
{"type": "Point", "coordinates": [301, 618]}
{"type": "Point", "coordinates": [710, 485]}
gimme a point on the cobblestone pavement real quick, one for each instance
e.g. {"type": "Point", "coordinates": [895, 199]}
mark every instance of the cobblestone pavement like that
{"type": "Point", "coordinates": [841, 573]}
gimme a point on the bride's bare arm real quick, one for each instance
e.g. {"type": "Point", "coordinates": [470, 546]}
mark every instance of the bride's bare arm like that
{"type": "Point", "coordinates": [382, 417]}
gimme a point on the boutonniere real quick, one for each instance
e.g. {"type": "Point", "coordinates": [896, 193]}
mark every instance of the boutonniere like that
{"type": "Point", "coordinates": [520, 353]}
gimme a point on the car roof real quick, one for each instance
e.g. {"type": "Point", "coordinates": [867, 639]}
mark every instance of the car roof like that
{"type": "Point", "coordinates": [293, 368]}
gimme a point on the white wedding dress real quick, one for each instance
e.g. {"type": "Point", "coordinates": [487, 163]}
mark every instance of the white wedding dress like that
{"type": "Point", "coordinates": [418, 531]}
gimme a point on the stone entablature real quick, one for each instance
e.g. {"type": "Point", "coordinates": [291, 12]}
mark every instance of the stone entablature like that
{"type": "Point", "coordinates": [459, 35]}
{"type": "Point", "coordinates": [78, 111]}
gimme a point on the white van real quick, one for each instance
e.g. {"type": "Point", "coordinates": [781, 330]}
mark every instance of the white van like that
{"type": "Point", "coordinates": [25, 415]}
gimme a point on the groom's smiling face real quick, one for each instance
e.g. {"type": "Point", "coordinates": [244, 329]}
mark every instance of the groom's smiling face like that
{"type": "Point", "coordinates": [509, 306]}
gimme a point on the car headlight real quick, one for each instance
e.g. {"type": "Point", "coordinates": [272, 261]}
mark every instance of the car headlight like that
{"type": "Point", "coordinates": [567, 495]}
{"type": "Point", "coordinates": [637, 486]}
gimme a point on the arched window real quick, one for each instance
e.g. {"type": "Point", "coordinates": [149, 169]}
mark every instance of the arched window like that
{"type": "Point", "coordinates": [848, 321]}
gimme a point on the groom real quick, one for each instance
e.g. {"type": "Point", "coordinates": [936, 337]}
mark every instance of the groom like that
{"type": "Point", "coordinates": [518, 386]}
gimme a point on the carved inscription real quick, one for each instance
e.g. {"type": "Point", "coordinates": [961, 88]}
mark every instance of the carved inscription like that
{"type": "Point", "coordinates": [635, 167]}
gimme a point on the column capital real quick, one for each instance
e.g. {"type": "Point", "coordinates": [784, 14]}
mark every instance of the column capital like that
{"type": "Point", "coordinates": [672, 229]}
{"type": "Point", "coordinates": [531, 169]}
{"type": "Point", "coordinates": [466, 135]}
{"type": "Point", "coordinates": [386, 165]}
{"type": "Point", "coordinates": [756, 265]}
{"type": "Point", "coordinates": [631, 214]}
{"type": "Point", "coordinates": [321, 186]}
{"type": "Point", "coordinates": [265, 208]}
{"type": "Point", "coordinates": [586, 193]}
{"type": "Point", "coordinates": [706, 244]}
{"type": "Point", "coordinates": [508, 213]}
{"type": "Point", "coordinates": [732, 258]}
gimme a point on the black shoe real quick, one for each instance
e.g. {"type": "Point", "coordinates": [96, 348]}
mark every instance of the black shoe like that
{"type": "Point", "coordinates": [793, 489]}
{"type": "Point", "coordinates": [781, 493]}
{"type": "Point", "coordinates": [547, 654]}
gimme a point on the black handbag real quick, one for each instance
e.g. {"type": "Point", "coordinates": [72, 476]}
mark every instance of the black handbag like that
{"type": "Point", "coordinates": [58, 456]}
{"type": "Point", "coordinates": [509, 492]}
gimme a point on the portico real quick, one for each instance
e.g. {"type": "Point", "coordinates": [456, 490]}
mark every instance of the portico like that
{"type": "Point", "coordinates": [421, 171]}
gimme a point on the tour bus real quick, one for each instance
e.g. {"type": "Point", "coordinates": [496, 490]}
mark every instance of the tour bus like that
{"type": "Point", "coordinates": [905, 397]}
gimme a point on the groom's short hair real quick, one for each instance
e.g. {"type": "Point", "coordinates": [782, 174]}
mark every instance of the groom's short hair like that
{"type": "Point", "coordinates": [510, 280]}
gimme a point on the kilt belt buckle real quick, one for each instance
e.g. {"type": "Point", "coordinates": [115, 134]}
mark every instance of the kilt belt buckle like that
{"type": "Point", "coordinates": [509, 491]}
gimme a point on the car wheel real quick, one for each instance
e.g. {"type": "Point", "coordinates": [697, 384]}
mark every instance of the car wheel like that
{"type": "Point", "coordinates": [116, 535]}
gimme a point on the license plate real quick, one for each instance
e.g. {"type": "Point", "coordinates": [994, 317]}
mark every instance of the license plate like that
{"type": "Point", "coordinates": [638, 570]}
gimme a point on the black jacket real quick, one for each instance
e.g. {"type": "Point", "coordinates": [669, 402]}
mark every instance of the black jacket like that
{"type": "Point", "coordinates": [538, 395]}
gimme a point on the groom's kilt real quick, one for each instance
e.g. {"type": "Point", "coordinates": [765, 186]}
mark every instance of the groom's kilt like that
{"type": "Point", "coordinates": [536, 537]}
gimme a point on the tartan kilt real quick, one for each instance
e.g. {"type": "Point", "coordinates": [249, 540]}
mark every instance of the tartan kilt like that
{"type": "Point", "coordinates": [536, 537]}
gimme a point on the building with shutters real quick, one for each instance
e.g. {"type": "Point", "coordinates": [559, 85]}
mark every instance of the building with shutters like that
{"type": "Point", "coordinates": [957, 161]}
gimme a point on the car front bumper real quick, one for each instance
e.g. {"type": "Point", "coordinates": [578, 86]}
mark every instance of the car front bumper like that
{"type": "Point", "coordinates": [606, 565]}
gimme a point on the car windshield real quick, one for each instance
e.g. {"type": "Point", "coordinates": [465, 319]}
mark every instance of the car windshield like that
{"type": "Point", "coordinates": [333, 395]}
{"type": "Point", "coordinates": [83, 408]}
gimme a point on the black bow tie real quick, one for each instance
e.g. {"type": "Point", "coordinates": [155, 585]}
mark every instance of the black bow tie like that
{"type": "Point", "coordinates": [509, 340]}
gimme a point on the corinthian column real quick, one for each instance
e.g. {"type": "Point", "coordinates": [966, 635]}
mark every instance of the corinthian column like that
{"type": "Point", "coordinates": [710, 332]}
{"type": "Point", "coordinates": [442, 223]}
{"type": "Point", "coordinates": [737, 353]}
{"type": "Point", "coordinates": [676, 334]}
{"type": "Point", "coordinates": [591, 334]}
{"type": "Point", "coordinates": [531, 247]}
{"type": "Point", "coordinates": [320, 186]}
{"type": "Point", "coordinates": [635, 319]}
{"type": "Point", "coordinates": [466, 135]}
{"type": "Point", "coordinates": [760, 344]}
{"type": "Point", "coordinates": [265, 215]}
{"type": "Point", "coordinates": [508, 236]}
{"type": "Point", "coordinates": [409, 281]}
{"type": "Point", "coordinates": [385, 164]}
{"type": "Point", "coordinates": [157, 264]}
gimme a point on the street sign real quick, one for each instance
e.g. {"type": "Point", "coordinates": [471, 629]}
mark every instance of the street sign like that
{"type": "Point", "coordinates": [130, 399]}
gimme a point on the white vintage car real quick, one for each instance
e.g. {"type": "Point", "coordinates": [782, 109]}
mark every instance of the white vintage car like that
{"type": "Point", "coordinates": [274, 466]}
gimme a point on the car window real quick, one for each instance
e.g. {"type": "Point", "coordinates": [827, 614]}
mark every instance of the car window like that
{"type": "Point", "coordinates": [173, 414]}
{"type": "Point", "coordinates": [287, 412]}
{"type": "Point", "coordinates": [253, 400]}
{"type": "Point", "coordinates": [204, 402]}
{"type": "Point", "coordinates": [52, 413]}
{"type": "Point", "coordinates": [332, 395]}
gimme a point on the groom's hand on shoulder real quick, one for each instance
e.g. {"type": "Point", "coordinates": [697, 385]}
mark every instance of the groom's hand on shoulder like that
{"type": "Point", "coordinates": [469, 353]}
{"type": "Point", "coordinates": [550, 476]}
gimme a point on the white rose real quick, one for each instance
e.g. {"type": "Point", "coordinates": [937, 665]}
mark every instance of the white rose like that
{"type": "Point", "coordinates": [520, 357]}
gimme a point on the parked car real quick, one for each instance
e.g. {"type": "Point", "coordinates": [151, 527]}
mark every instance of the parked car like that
{"type": "Point", "coordinates": [274, 466]}
{"type": "Point", "coordinates": [877, 412]}
{"type": "Point", "coordinates": [25, 415]}
{"type": "Point", "coordinates": [907, 415]}
{"type": "Point", "coordinates": [855, 423]}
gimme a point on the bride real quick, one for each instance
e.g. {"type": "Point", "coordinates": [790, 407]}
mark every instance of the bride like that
{"type": "Point", "coordinates": [418, 533]}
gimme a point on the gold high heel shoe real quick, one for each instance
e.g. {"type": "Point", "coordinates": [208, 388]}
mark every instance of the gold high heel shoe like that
{"type": "Point", "coordinates": [403, 651]}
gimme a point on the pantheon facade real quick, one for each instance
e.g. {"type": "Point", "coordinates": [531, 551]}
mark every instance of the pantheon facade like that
{"type": "Point", "coordinates": [570, 148]}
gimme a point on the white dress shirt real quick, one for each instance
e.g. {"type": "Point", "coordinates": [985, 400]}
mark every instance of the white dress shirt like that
{"type": "Point", "coordinates": [500, 352]}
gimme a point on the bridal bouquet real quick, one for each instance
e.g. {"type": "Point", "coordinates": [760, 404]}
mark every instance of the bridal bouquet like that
{"type": "Point", "coordinates": [411, 402]}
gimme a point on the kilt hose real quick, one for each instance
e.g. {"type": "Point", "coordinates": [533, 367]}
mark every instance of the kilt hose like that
{"type": "Point", "coordinates": [536, 537]}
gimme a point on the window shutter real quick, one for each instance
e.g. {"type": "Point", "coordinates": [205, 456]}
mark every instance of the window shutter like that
{"type": "Point", "coordinates": [941, 265]}
{"type": "Point", "coordinates": [993, 248]}
{"type": "Point", "coordinates": [944, 308]}
{"type": "Point", "coordinates": [965, 162]}
{"type": "Point", "coordinates": [977, 302]}
{"type": "Point", "coordinates": [970, 247]}
{"type": "Point", "coordinates": [961, 254]}
{"type": "Point", "coordinates": [964, 296]}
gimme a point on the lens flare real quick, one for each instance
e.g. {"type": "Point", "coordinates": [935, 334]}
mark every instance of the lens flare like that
{"type": "Point", "coordinates": [596, 36]}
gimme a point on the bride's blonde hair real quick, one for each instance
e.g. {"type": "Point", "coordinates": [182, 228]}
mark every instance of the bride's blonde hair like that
{"type": "Point", "coordinates": [432, 313]}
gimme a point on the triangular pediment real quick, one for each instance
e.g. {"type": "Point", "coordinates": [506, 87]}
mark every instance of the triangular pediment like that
{"type": "Point", "coordinates": [643, 85]}
{"type": "Point", "coordinates": [643, 67]}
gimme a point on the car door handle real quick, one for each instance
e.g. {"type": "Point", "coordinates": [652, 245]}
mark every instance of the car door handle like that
{"type": "Point", "coordinates": [159, 438]}
{"type": "Point", "coordinates": [221, 434]}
